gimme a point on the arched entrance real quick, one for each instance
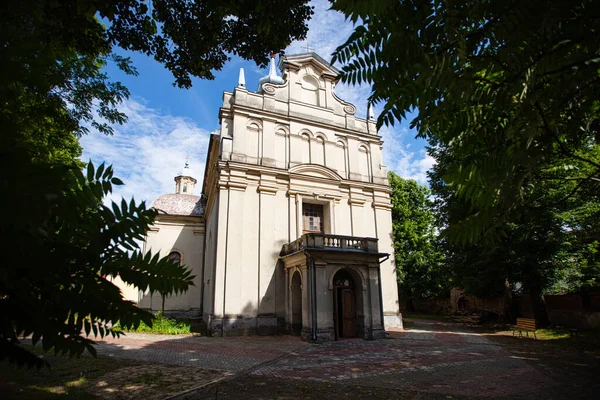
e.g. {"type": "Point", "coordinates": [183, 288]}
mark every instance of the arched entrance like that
{"type": "Point", "coordinates": [296, 303]}
{"type": "Point", "coordinates": [344, 303]}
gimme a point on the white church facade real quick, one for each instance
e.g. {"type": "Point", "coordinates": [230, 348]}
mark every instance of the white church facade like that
{"type": "Point", "coordinates": [292, 232]}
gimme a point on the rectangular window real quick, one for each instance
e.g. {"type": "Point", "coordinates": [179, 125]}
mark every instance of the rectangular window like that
{"type": "Point", "coordinates": [312, 217]}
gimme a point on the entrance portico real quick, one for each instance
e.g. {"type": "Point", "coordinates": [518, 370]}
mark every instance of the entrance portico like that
{"type": "Point", "coordinates": [340, 291]}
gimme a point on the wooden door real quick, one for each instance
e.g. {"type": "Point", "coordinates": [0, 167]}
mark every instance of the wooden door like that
{"type": "Point", "coordinates": [348, 313]}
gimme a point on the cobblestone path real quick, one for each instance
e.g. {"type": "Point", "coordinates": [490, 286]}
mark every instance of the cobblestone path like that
{"type": "Point", "coordinates": [431, 360]}
{"type": "Point", "coordinates": [230, 354]}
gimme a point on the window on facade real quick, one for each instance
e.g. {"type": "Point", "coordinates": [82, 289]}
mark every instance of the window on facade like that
{"type": "Point", "coordinates": [312, 215]}
{"type": "Point", "coordinates": [310, 90]}
{"type": "Point", "coordinates": [343, 279]}
{"type": "Point", "coordinates": [175, 257]}
{"type": "Point", "coordinates": [185, 188]}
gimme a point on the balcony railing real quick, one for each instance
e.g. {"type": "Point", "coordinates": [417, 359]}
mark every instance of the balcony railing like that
{"type": "Point", "coordinates": [330, 242]}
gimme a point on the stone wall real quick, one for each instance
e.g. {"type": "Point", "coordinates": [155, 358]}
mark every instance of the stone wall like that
{"type": "Point", "coordinates": [574, 310]}
{"type": "Point", "coordinates": [459, 302]}
{"type": "Point", "coordinates": [569, 310]}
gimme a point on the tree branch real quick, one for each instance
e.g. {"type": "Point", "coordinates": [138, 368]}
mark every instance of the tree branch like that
{"type": "Point", "coordinates": [561, 145]}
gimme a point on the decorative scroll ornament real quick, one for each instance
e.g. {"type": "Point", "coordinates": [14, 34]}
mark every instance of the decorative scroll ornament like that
{"type": "Point", "coordinates": [268, 89]}
{"type": "Point", "coordinates": [350, 109]}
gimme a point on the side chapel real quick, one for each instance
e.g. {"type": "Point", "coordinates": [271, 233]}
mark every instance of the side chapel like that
{"type": "Point", "coordinates": [292, 230]}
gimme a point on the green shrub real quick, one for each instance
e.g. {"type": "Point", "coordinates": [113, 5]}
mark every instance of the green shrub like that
{"type": "Point", "coordinates": [162, 325]}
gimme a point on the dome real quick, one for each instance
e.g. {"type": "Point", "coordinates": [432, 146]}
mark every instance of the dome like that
{"type": "Point", "coordinates": [272, 77]}
{"type": "Point", "coordinates": [179, 204]}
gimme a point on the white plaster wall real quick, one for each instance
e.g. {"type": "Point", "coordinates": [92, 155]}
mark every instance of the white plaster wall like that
{"type": "Point", "coordinates": [260, 200]}
{"type": "Point", "coordinates": [187, 239]}
{"type": "Point", "coordinates": [389, 286]}
{"type": "Point", "coordinates": [211, 250]}
{"type": "Point", "coordinates": [129, 292]}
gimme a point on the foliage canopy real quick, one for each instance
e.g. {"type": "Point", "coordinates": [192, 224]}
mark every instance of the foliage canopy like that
{"type": "Point", "coordinates": [62, 248]}
{"type": "Point", "coordinates": [418, 260]}
{"type": "Point", "coordinates": [509, 88]}
{"type": "Point", "coordinates": [62, 245]}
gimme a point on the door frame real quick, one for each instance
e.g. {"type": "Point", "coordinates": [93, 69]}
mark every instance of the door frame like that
{"type": "Point", "coordinates": [337, 330]}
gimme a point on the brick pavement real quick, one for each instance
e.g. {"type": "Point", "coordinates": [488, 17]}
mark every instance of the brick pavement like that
{"type": "Point", "coordinates": [433, 359]}
{"type": "Point", "coordinates": [229, 354]}
{"type": "Point", "coordinates": [437, 358]}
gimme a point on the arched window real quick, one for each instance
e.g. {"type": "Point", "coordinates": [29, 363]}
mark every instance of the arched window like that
{"type": "Point", "coordinates": [185, 188]}
{"type": "Point", "coordinates": [364, 163]}
{"type": "Point", "coordinates": [305, 147]}
{"type": "Point", "coordinates": [343, 279]}
{"type": "Point", "coordinates": [317, 151]}
{"type": "Point", "coordinates": [310, 90]}
{"type": "Point", "coordinates": [281, 148]}
{"type": "Point", "coordinates": [342, 158]}
{"type": "Point", "coordinates": [253, 143]}
{"type": "Point", "coordinates": [175, 257]}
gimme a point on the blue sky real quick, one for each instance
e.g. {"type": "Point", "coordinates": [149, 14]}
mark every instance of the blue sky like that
{"type": "Point", "coordinates": [166, 123]}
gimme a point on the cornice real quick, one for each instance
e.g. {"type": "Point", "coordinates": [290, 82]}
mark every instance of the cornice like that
{"type": "Point", "coordinates": [171, 219]}
{"type": "Point", "coordinates": [382, 206]}
{"type": "Point", "coordinates": [233, 185]}
{"type": "Point", "coordinates": [242, 109]}
{"type": "Point", "coordinates": [266, 189]}
{"type": "Point", "coordinates": [281, 172]}
{"type": "Point", "coordinates": [357, 202]}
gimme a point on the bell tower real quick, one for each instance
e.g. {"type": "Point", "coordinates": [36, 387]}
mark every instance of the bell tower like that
{"type": "Point", "coordinates": [184, 181]}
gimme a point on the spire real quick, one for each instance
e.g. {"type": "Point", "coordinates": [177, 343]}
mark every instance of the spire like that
{"type": "Point", "coordinates": [371, 114]}
{"type": "Point", "coordinates": [272, 77]}
{"type": "Point", "coordinates": [242, 79]}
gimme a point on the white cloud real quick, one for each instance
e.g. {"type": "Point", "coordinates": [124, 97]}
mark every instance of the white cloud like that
{"type": "Point", "coordinates": [398, 158]}
{"type": "Point", "coordinates": [326, 30]}
{"type": "Point", "coordinates": [148, 151]}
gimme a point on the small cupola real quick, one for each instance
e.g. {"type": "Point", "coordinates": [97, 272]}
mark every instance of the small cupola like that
{"type": "Point", "coordinates": [272, 77]}
{"type": "Point", "coordinates": [184, 181]}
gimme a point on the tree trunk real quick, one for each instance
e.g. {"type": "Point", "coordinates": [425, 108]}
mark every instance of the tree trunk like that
{"type": "Point", "coordinates": [538, 307]}
{"type": "Point", "coordinates": [507, 306]}
{"type": "Point", "coordinates": [163, 305]}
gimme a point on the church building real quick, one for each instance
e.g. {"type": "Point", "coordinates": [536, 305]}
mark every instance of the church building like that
{"type": "Point", "coordinates": [292, 230]}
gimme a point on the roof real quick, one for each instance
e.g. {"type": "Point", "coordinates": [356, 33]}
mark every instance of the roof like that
{"type": "Point", "coordinates": [179, 204]}
{"type": "Point", "coordinates": [303, 58]}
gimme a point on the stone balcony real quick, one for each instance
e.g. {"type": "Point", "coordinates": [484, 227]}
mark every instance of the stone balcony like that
{"type": "Point", "coordinates": [321, 241]}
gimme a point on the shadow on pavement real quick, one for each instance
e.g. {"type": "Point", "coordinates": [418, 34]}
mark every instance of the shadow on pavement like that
{"type": "Point", "coordinates": [432, 359]}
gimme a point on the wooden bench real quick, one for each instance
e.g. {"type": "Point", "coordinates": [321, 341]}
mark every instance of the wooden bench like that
{"type": "Point", "coordinates": [527, 325]}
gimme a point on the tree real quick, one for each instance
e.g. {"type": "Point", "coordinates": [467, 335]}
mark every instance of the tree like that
{"type": "Point", "coordinates": [191, 38]}
{"type": "Point", "coordinates": [418, 260]}
{"type": "Point", "coordinates": [53, 53]}
{"type": "Point", "coordinates": [61, 243]}
{"type": "Point", "coordinates": [514, 81]}
{"type": "Point", "coordinates": [544, 236]}
{"type": "Point", "coordinates": [506, 92]}
{"type": "Point", "coordinates": [62, 246]}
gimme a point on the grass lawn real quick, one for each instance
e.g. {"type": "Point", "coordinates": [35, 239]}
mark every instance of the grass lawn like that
{"type": "Point", "coordinates": [87, 377]}
{"type": "Point", "coordinates": [584, 340]}
{"type": "Point", "coordinates": [66, 378]}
